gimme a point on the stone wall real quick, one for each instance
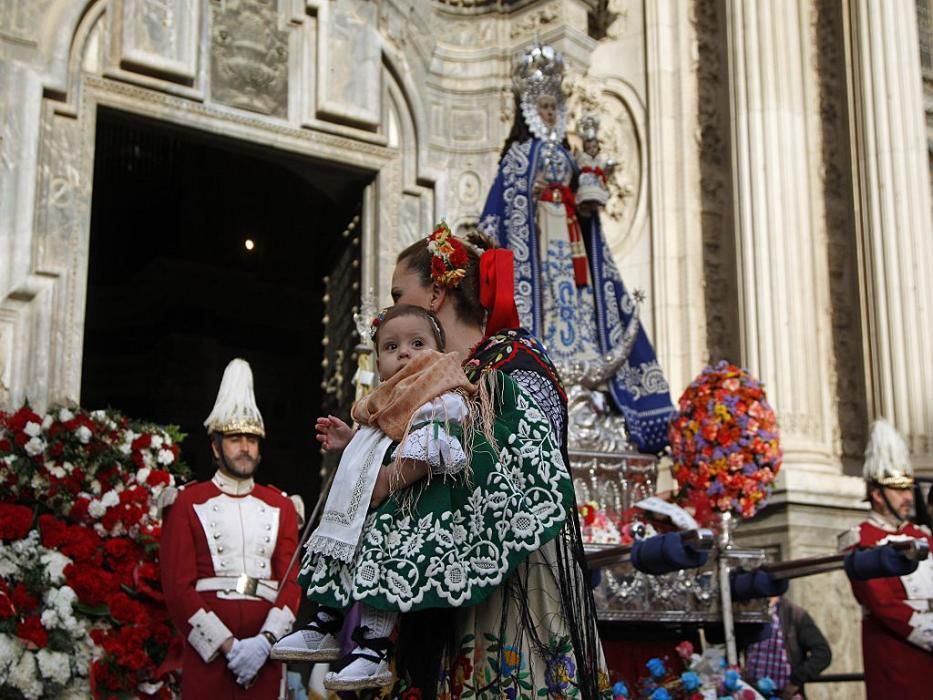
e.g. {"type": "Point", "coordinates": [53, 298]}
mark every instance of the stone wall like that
{"type": "Point", "coordinates": [776, 211]}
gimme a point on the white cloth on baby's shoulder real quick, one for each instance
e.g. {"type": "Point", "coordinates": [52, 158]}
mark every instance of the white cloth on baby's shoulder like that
{"type": "Point", "coordinates": [338, 533]}
{"type": "Point", "coordinates": [432, 443]}
{"type": "Point", "coordinates": [341, 526]}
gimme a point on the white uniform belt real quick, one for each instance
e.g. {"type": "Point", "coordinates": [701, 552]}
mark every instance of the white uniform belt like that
{"type": "Point", "coordinates": [243, 584]}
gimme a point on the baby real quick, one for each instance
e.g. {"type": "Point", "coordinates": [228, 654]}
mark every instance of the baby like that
{"type": "Point", "coordinates": [420, 396]}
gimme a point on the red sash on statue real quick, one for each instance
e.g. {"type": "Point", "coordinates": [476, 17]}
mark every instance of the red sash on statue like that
{"type": "Point", "coordinates": [561, 194]}
{"type": "Point", "coordinates": [599, 172]}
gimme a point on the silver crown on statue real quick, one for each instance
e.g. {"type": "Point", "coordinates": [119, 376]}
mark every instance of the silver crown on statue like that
{"type": "Point", "coordinates": [540, 71]}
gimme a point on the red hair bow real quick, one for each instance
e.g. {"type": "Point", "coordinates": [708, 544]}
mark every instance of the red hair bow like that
{"type": "Point", "coordinates": [497, 289]}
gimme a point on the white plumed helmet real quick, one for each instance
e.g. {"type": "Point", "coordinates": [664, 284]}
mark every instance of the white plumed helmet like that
{"type": "Point", "coordinates": [887, 459]}
{"type": "Point", "coordinates": [235, 410]}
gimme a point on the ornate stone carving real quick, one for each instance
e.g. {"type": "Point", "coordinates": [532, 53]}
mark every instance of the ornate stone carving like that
{"type": "Point", "coordinates": [469, 188]}
{"type": "Point", "coordinates": [839, 232]}
{"type": "Point", "coordinates": [466, 32]}
{"type": "Point", "coordinates": [20, 20]}
{"type": "Point", "coordinates": [350, 70]}
{"type": "Point", "coordinates": [161, 36]}
{"type": "Point", "coordinates": [249, 57]}
{"type": "Point", "coordinates": [468, 125]}
{"type": "Point", "coordinates": [719, 265]}
{"type": "Point", "coordinates": [534, 22]}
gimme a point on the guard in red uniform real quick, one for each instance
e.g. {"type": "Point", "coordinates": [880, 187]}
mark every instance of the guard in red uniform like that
{"type": "Point", "coordinates": [897, 626]}
{"type": "Point", "coordinates": [226, 546]}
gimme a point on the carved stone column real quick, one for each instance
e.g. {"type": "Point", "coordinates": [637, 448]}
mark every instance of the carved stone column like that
{"type": "Point", "coordinates": [674, 176]}
{"type": "Point", "coordinates": [892, 180]}
{"type": "Point", "coordinates": [781, 259]}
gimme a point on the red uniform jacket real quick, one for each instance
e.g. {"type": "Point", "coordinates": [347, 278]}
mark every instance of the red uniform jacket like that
{"type": "Point", "coordinates": [216, 531]}
{"type": "Point", "coordinates": [897, 627]}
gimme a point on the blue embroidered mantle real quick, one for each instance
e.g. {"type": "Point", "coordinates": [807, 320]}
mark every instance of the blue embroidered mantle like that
{"type": "Point", "coordinates": [574, 322]}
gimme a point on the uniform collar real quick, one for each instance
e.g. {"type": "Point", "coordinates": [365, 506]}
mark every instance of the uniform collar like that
{"type": "Point", "coordinates": [233, 487]}
{"type": "Point", "coordinates": [885, 523]}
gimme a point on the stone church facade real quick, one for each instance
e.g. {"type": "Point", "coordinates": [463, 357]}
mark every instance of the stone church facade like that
{"type": "Point", "coordinates": [772, 195]}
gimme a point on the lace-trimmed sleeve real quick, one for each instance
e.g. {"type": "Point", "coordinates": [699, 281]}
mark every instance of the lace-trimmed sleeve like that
{"type": "Point", "coordinates": [431, 442]}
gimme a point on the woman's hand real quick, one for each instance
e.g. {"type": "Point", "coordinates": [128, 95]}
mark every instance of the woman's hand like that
{"type": "Point", "coordinates": [333, 433]}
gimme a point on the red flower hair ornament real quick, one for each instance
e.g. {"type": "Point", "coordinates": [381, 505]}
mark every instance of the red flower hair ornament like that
{"type": "Point", "coordinates": [449, 257]}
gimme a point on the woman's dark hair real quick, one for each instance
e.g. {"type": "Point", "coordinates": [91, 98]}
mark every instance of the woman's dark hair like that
{"type": "Point", "coordinates": [465, 295]}
{"type": "Point", "coordinates": [411, 310]}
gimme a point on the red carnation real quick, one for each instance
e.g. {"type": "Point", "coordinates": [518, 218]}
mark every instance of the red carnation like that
{"type": "Point", "coordinates": [157, 477]}
{"type": "Point", "coordinates": [32, 631]}
{"type": "Point", "coordinates": [53, 530]}
{"type": "Point", "coordinates": [438, 268]}
{"type": "Point", "coordinates": [459, 257]}
{"type": "Point", "coordinates": [6, 607]}
{"type": "Point", "coordinates": [24, 600]}
{"type": "Point", "coordinates": [79, 508]}
{"type": "Point", "coordinates": [15, 521]}
{"type": "Point", "coordinates": [125, 610]}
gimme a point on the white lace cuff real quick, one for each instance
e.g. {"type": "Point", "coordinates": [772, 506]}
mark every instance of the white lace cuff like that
{"type": "Point", "coordinates": [278, 622]}
{"type": "Point", "coordinates": [207, 634]}
{"type": "Point", "coordinates": [431, 443]}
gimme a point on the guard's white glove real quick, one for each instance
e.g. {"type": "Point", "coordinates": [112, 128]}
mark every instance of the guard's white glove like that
{"type": "Point", "coordinates": [247, 656]}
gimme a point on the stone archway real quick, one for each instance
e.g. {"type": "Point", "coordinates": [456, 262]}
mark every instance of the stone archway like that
{"type": "Point", "coordinates": [257, 71]}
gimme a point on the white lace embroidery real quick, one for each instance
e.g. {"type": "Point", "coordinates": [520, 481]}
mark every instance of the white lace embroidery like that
{"type": "Point", "coordinates": [521, 498]}
{"type": "Point", "coordinates": [432, 443]}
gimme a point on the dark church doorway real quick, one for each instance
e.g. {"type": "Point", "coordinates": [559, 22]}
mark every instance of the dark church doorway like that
{"type": "Point", "coordinates": [203, 249]}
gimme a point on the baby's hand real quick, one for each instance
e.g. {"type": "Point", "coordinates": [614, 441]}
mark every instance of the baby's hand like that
{"type": "Point", "coordinates": [332, 432]}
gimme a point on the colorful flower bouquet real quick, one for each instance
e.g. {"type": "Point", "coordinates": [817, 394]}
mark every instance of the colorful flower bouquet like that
{"type": "Point", "coordinates": [706, 677]}
{"type": "Point", "coordinates": [724, 444]}
{"type": "Point", "coordinates": [81, 612]}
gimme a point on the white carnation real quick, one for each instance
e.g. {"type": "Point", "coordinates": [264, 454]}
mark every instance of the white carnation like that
{"type": "Point", "coordinates": [32, 429]}
{"type": "Point", "coordinates": [68, 467]}
{"type": "Point", "coordinates": [96, 509]}
{"type": "Point", "coordinates": [54, 563]}
{"type": "Point", "coordinates": [79, 689]}
{"type": "Point", "coordinates": [142, 475]}
{"type": "Point", "coordinates": [65, 415]}
{"type": "Point", "coordinates": [54, 665]}
{"type": "Point", "coordinates": [166, 457]}
{"type": "Point", "coordinates": [84, 434]}
{"type": "Point", "coordinates": [10, 650]}
{"type": "Point", "coordinates": [111, 498]}
{"type": "Point", "coordinates": [47, 421]}
{"type": "Point", "coordinates": [57, 471]}
{"type": "Point", "coordinates": [95, 487]}
{"type": "Point", "coordinates": [35, 446]}
{"type": "Point", "coordinates": [155, 442]}
{"type": "Point", "coordinates": [23, 676]}
{"type": "Point", "coordinates": [99, 414]}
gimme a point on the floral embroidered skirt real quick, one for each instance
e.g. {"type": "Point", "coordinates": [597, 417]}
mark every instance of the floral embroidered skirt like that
{"type": "Point", "coordinates": [507, 650]}
{"type": "Point", "coordinates": [453, 541]}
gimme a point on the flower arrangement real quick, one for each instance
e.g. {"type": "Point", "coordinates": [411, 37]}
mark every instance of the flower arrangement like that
{"type": "Point", "coordinates": [724, 444]}
{"type": "Point", "coordinates": [597, 525]}
{"type": "Point", "coordinates": [81, 611]}
{"type": "Point", "coordinates": [449, 261]}
{"type": "Point", "coordinates": [707, 677]}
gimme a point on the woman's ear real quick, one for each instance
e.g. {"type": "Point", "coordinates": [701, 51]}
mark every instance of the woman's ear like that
{"type": "Point", "coordinates": [438, 296]}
